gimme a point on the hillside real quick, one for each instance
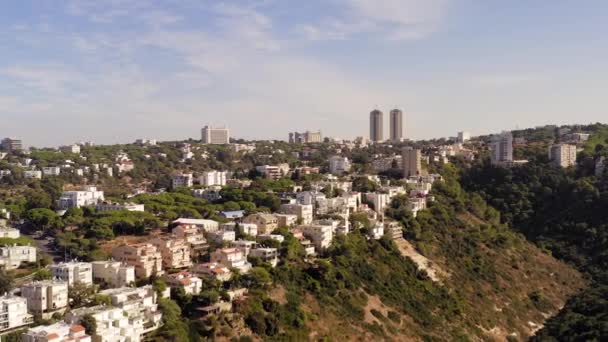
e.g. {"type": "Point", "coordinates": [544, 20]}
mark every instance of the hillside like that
{"type": "Point", "coordinates": [494, 284]}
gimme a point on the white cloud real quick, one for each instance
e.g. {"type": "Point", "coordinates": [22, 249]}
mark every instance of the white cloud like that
{"type": "Point", "coordinates": [389, 19]}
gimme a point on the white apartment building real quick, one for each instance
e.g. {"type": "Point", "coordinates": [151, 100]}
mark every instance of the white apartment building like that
{"type": "Point", "coordinates": [51, 171]}
{"type": "Point", "coordinates": [13, 312]}
{"type": "Point", "coordinates": [70, 149]}
{"type": "Point", "coordinates": [138, 303]}
{"type": "Point", "coordinates": [194, 237]}
{"type": "Point", "coordinates": [222, 235]}
{"type": "Point", "coordinates": [58, 332]}
{"type": "Point", "coordinates": [502, 148]}
{"type": "Point", "coordinates": [45, 296]}
{"type": "Point", "coordinates": [191, 284]}
{"type": "Point", "coordinates": [244, 245]}
{"type": "Point", "coordinates": [231, 258]}
{"type": "Point", "coordinates": [144, 257]}
{"type": "Point", "coordinates": [211, 178]}
{"type": "Point", "coordinates": [213, 270]}
{"type": "Point", "coordinates": [215, 135]}
{"type": "Point", "coordinates": [416, 204]}
{"type": "Point", "coordinates": [32, 174]}
{"type": "Point", "coordinates": [76, 199]}
{"type": "Point", "coordinates": [286, 220]}
{"type": "Point", "coordinates": [303, 211]}
{"type": "Point", "coordinates": [11, 233]}
{"type": "Point", "coordinates": [113, 273]}
{"type": "Point", "coordinates": [377, 231]}
{"type": "Point", "coordinates": [109, 206]}
{"type": "Point", "coordinates": [74, 273]}
{"type": "Point", "coordinates": [273, 172]}
{"type": "Point", "coordinates": [175, 252]}
{"type": "Point", "coordinates": [12, 257]}
{"type": "Point", "coordinates": [204, 225]}
{"type": "Point", "coordinates": [243, 228]}
{"type": "Point", "coordinates": [563, 155]}
{"type": "Point", "coordinates": [269, 255]}
{"type": "Point", "coordinates": [463, 137]}
{"type": "Point", "coordinates": [184, 180]}
{"type": "Point", "coordinates": [411, 161]}
{"type": "Point", "coordinates": [320, 235]}
{"type": "Point", "coordinates": [339, 165]}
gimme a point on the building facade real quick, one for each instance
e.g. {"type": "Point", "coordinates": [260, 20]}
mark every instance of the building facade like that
{"type": "Point", "coordinates": [376, 126]}
{"type": "Point", "coordinates": [144, 257]}
{"type": "Point", "coordinates": [563, 155]}
{"type": "Point", "coordinates": [396, 125]}
{"type": "Point", "coordinates": [13, 312]}
{"type": "Point", "coordinates": [73, 273]}
{"type": "Point", "coordinates": [411, 161]}
{"type": "Point", "coordinates": [113, 273]}
{"type": "Point", "coordinates": [215, 135]}
{"type": "Point", "coordinates": [502, 148]}
{"type": "Point", "coordinates": [45, 296]}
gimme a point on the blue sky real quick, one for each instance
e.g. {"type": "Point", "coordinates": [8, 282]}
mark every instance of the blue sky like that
{"type": "Point", "coordinates": [116, 70]}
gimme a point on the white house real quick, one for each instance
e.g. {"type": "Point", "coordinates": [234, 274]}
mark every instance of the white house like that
{"type": "Point", "coordinates": [13, 312]}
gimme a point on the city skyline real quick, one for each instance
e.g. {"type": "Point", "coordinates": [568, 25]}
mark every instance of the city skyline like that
{"type": "Point", "coordinates": [115, 71]}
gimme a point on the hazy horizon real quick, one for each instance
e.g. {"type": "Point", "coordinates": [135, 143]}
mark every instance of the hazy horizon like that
{"type": "Point", "coordinates": [114, 71]}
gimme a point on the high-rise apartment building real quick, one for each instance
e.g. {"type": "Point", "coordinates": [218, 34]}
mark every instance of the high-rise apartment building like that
{"type": "Point", "coordinates": [12, 144]}
{"type": "Point", "coordinates": [215, 135]}
{"type": "Point", "coordinates": [305, 137]}
{"type": "Point", "coordinates": [376, 128]}
{"type": "Point", "coordinates": [463, 137]}
{"type": "Point", "coordinates": [563, 155]}
{"type": "Point", "coordinates": [396, 125]}
{"type": "Point", "coordinates": [411, 160]}
{"type": "Point", "coordinates": [502, 148]}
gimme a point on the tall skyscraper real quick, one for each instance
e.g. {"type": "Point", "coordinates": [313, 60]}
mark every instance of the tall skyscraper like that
{"type": "Point", "coordinates": [215, 135]}
{"type": "Point", "coordinates": [411, 160]}
{"type": "Point", "coordinates": [396, 125]}
{"type": "Point", "coordinates": [502, 148]}
{"type": "Point", "coordinates": [376, 128]}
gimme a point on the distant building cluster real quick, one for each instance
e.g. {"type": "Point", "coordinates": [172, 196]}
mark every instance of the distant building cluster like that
{"type": "Point", "coordinates": [305, 137]}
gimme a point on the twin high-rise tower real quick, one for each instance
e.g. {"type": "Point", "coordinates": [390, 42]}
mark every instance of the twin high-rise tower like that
{"type": "Point", "coordinates": [376, 125]}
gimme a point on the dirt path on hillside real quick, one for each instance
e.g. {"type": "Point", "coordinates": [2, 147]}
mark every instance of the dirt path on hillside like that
{"type": "Point", "coordinates": [434, 272]}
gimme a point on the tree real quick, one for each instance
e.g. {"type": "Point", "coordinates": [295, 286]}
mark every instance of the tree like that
{"type": "Point", "coordinates": [6, 282]}
{"type": "Point", "coordinates": [81, 295]}
{"type": "Point", "coordinates": [42, 219]}
{"type": "Point", "coordinates": [89, 323]}
{"type": "Point", "coordinates": [43, 274]}
{"type": "Point", "coordinates": [174, 327]}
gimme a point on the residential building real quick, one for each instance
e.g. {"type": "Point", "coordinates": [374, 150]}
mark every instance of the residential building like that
{"type": "Point", "coordinates": [416, 204]}
{"type": "Point", "coordinates": [377, 231]}
{"type": "Point", "coordinates": [175, 252]}
{"type": "Point", "coordinates": [109, 206]}
{"type": "Point", "coordinates": [12, 257]}
{"type": "Point", "coordinates": [231, 258]}
{"type": "Point", "coordinates": [11, 233]}
{"type": "Point", "coordinates": [304, 212]}
{"type": "Point", "coordinates": [463, 137]}
{"type": "Point", "coordinates": [113, 273]}
{"type": "Point", "coordinates": [393, 230]}
{"type": "Point", "coordinates": [76, 199]}
{"type": "Point", "coordinates": [563, 155]}
{"type": "Point", "coordinates": [112, 323]}
{"type": "Point", "coordinates": [273, 172]}
{"type": "Point", "coordinates": [13, 312]}
{"type": "Point", "coordinates": [411, 160]}
{"type": "Point", "coordinates": [269, 255]}
{"type": "Point", "coordinates": [387, 163]}
{"type": "Point", "coordinates": [45, 296]}
{"type": "Point", "coordinates": [58, 332]}
{"type": "Point", "coordinates": [276, 237]}
{"type": "Point", "coordinates": [144, 257]}
{"type": "Point", "coordinates": [396, 125]}
{"type": "Point", "coordinates": [339, 165]}
{"type": "Point", "coordinates": [211, 178]}
{"type": "Point", "coordinates": [320, 235]}
{"type": "Point", "coordinates": [222, 236]}
{"type": "Point", "coordinates": [244, 245]}
{"type": "Point", "coordinates": [193, 236]}
{"type": "Point", "coordinates": [187, 281]}
{"type": "Point", "coordinates": [286, 220]}
{"type": "Point", "coordinates": [203, 224]}
{"type": "Point", "coordinates": [215, 135]}
{"type": "Point", "coordinates": [32, 174]}
{"type": "Point", "coordinates": [502, 148]}
{"type": "Point", "coordinates": [73, 273]}
{"type": "Point", "coordinates": [70, 149]}
{"type": "Point", "coordinates": [212, 270]}
{"type": "Point", "coordinates": [12, 145]}
{"type": "Point", "coordinates": [183, 180]}
{"type": "Point", "coordinates": [376, 128]}
{"type": "Point", "coordinates": [250, 229]}
{"type": "Point", "coordinates": [51, 171]}
{"type": "Point", "coordinates": [266, 222]}
{"type": "Point", "coordinates": [305, 137]}
{"type": "Point", "coordinates": [233, 214]}
{"type": "Point", "coordinates": [379, 201]}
